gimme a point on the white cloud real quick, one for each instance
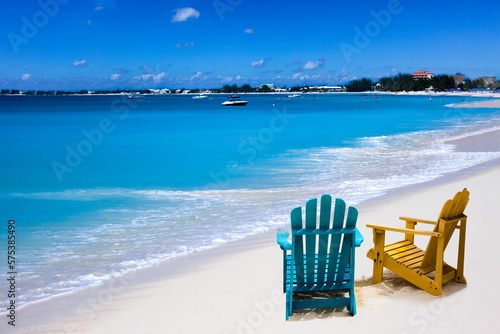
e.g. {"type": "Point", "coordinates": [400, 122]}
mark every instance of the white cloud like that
{"type": "Point", "coordinates": [249, 31]}
{"type": "Point", "coordinates": [225, 79]}
{"type": "Point", "coordinates": [115, 76]}
{"type": "Point", "coordinates": [98, 8]}
{"type": "Point", "coordinates": [145, 77]}
{"type": "Point", "coordinates": [343, 76]}
{"type": "Point", "coordinates": [159, 77]}
{"type": "Point", "coordinates": [197, 75]}
{"type": "Point", "coordinates": [151, 77]}
{"type": "Point", "coordinates": [311, 65]}
{"type": "Point", "coordinates": [26, 76]}
{"type": "Point", "coordinates": [258, 63]}
{"type": "Point", "coordinates": [185, 45]}
{"type": "Point", "coordinates": [183, 14]}
{"type": "Point", "coordinates": [80, 63]}
{"type": "Point", "coordinates": [296, 75]}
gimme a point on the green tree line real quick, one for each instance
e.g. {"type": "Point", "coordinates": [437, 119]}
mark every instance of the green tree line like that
{"type": "Point", "coordinates": [405, 82]}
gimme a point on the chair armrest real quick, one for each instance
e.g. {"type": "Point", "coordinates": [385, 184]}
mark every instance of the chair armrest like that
{"type": "Point", "coordinates": [403, 230]}
{"type": "Point", "coordinates": [358, 239]}
{"type": "Point", "coordinates": [281, 238]}
{"type": "Point", "coordinates": [418, 220]}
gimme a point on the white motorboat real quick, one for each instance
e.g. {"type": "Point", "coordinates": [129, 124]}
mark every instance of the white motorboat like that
{"type": "Point", "coordinates": [234, 100]}
{"type": "Point", "coordinates": [200, 96]}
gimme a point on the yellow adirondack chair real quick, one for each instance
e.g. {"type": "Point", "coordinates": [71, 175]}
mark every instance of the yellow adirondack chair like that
{"type": "Point", "coordinates": [413, 264]}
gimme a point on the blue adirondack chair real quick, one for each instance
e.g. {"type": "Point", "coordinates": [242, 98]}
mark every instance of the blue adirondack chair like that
{"type": "Point", "coordinates": [320, 258]}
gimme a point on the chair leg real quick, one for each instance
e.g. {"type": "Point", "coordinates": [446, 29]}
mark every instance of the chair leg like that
{"type": "Point", "coordinates": [440, 256]}
{"type": "Point", "coordinates": [378, 262]}
{"type": "Point", "coordinates": [461, 253]}
{"type": "Point", "coordinates": [288, 304]}
{"type": "Point", "coordinates": [352, 308]}
{"type": "Point", "coordinates": [284, 271]}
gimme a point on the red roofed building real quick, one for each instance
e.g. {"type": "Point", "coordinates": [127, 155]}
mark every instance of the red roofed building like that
{"type": "Point", "coordinates": [422, 75]}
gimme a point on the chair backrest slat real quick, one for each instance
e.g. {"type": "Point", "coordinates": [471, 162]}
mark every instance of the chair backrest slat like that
{"type": "Point", "coordinates": [335, 239]}
{"type": "Point", "coordinates": [347, 245]}
{"type": "Point", "coordinates": [324, 224]}
{"type": "Point", "coordinates": [310, 256]}
{"type": "Point", "coordinates": [298, 248]}
{"type": "Point", "coordinates": [452, 208]}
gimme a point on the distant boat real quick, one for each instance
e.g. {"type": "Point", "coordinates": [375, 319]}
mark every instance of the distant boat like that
{"type": "Point", "coordinates": [200, 96]}
{"type": "Point", "coordinates": [135, 96]}
{"type": "Point", "coordinates": [234, 100]}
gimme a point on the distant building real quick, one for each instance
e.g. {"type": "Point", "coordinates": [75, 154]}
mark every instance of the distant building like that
{"type": "Point", "coordinates": [422, 75]}
{"type": "Point", "coordinates": [329, 88]}
{"type": "Point", "coordinates": [459, 79]}
{"type": "Point", "coordinates": [488, 80]}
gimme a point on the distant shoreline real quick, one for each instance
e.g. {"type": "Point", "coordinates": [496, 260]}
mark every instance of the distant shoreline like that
{"type": "Point", "coordinates": [469, 94]}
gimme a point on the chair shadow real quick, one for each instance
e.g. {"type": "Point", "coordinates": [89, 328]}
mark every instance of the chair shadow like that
{"type": "Point", "coordinates": [395, 284]}
{"type": "Point", "coordinates": [392, 286]}
{"type": "Point", "coordinates": [319, 313]}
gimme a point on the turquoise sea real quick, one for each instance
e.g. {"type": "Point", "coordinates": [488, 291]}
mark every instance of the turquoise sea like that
{"type": "Point", "coordinates": [101, 185]}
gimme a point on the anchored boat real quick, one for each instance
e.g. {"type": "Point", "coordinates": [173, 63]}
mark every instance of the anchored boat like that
{"type": "Point", "coordinates": [234, 100]}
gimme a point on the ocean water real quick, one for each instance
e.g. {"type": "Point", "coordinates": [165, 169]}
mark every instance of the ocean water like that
{"type": "Point", "coordinates": [100, 185]}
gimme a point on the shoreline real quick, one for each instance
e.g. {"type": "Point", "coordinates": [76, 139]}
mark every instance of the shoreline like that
{"type": "Point", "coordinates": [493, 103]}
{"type": "Point", "coordinates": [412, 93]}
{"type": "Point", "coordinates": [92, 308]}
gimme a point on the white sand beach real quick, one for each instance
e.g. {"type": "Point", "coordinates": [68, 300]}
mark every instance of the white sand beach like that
{"type": "Point", "coordinates": [236, 287]}
{"type": "Point", "coordinates": [492, 103]}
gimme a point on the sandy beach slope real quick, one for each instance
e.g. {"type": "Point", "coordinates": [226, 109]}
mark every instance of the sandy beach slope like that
{"type": "Point", "coordinates": [236, 288]}
{"type": "Point", "coordinates": [493, 103]}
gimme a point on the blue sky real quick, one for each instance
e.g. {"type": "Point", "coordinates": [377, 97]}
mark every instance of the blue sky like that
{"type": "Point", "coordinates": [89, 44]}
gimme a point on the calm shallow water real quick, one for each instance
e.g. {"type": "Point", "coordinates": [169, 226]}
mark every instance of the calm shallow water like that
{"type": "Point", "coordinates": [102, 185]}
